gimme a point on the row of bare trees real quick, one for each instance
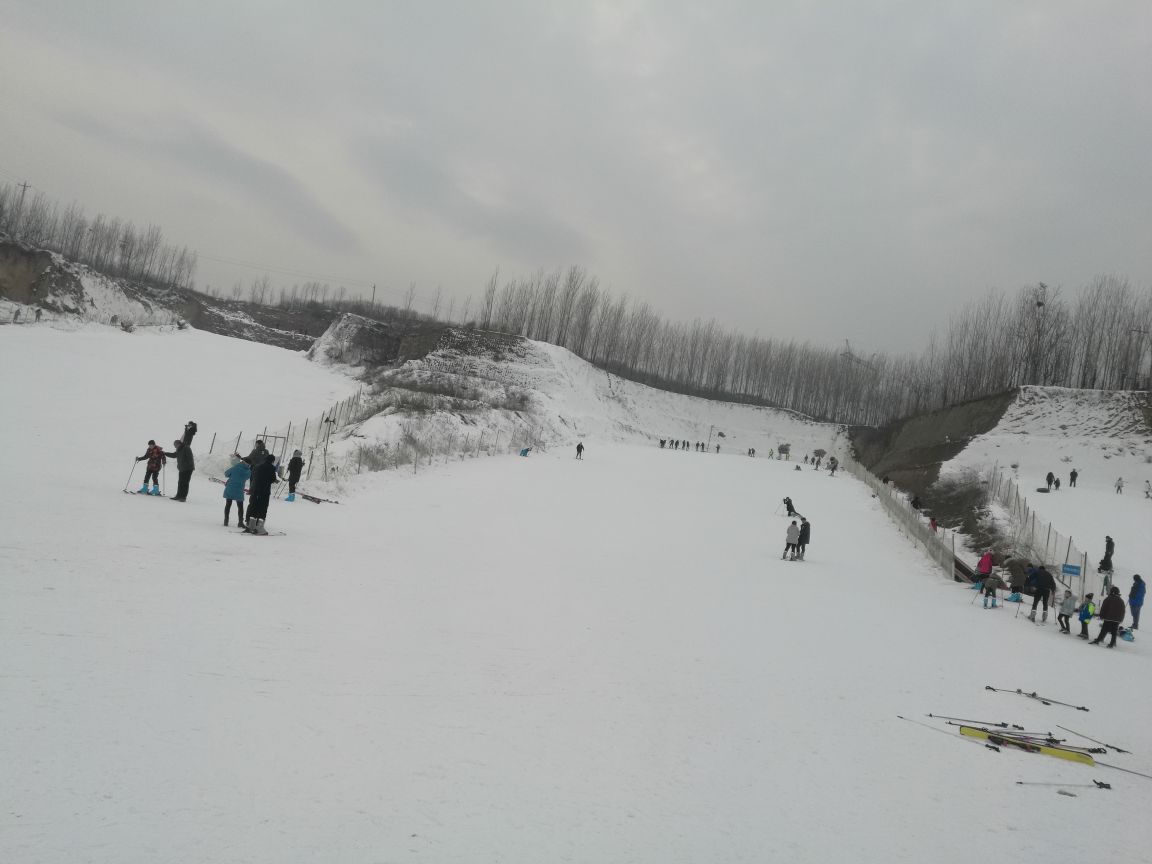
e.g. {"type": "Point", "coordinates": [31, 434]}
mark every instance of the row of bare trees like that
{"type": "Point", "coordinates": [1102, 340]}
{"type": "Point", "coordinates": [112, 246]}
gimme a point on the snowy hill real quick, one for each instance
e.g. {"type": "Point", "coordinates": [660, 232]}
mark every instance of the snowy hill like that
{"type": "Point", "coordinates": [1103, 436]}
{"type": "Point", "coordinates": [506, 659]}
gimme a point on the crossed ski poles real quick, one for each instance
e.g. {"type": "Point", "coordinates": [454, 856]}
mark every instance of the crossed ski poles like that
{"type": "Point", "coordinates": [1044, 700]}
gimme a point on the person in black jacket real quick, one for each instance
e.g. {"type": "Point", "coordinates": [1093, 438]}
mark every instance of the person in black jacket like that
{"type": "Point", "coordinates": [802, 540]}
{"type": "Point", "coordinates": [295, 466]}
{"type": "Point", "coordinates": [1045, 586]}
{"type": "Point", "coordinates": [1111, 614]}
{"type": "Point", "coordinates": [260, 486]}
{"type": "Point", "coordinates": [185, 465]}
{"type": "Point", "coordinates": [189, 432]}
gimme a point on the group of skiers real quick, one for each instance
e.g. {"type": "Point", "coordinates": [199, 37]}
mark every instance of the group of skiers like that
{"type": "Point", "coordinates": [1043, 586]}
{"type": "Point", "coordinates": [258, 470]}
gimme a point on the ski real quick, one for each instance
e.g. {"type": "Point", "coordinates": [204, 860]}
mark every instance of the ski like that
{"type": "Point", "coordinates": [265, 534]}
{"type": "Point", "coordinates": [145, 494]}
{"type": "Point", "coordinates": [976, 722]}
{"type": "Point", "coordinates": [1095, 784]}
{"type": "Point", "coordinates": [1027, 746]}
{"type": "Point", "coordinates": [942, 732]}
{"type": "Point", "coordinates": [315, 499]}
{"type": "Point", "coordinates": [1041, 699]}
{"type": "Point", "coordinates": [1093, 740]}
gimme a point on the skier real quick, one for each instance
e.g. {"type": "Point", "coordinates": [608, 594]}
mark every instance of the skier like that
{"type": "Point", "coordinates": [295, 466]}
{"type": "Point", "coordinates": [185, 465]}
{"type": "Point", "coordinates": [991, 585]}
{"type": "Point", "coordinates": [237, 475]}
{"type": "Point", "coordinates": [155, 456]}
{"type": "Point", "coordinates": [717, 448]}
{"type": "Point", "coordinates": [984, 567]}
{"type": "Point", "coordinates": [1119, 491]}
{"type": "Point", "coordinates": [1148, 488]}
{"type": "Point", "coordinates": [1111, 614]}
{"type": "Point", "coordinates": [791, 537]}
{"type": "Point", "coordinates": [1106, 561]}
{"type": "Point", "coordinates": [1072, 478]}
{"type": "Point", "coordinates": [1136, 600]}
{"type": "Point", "coordinates": [1045, 587]}
{"type": "Point", "coordinates": [1056, 483]}
{"type": "Point", "coordinates": [189, 432]}
{"type": "Point", "coordinates": [802, 540]}
{"type": "Point", "coordinates": [256, 457]}
{"type": "Point", "coordinates": [1087, 610]}
{"type": "Point", "coordinates": [1067, 607]}
{"type": "Point", "coordinates": [263, 476]}
{"type": "Point", "coordinates": [788, 507]}
{"type": "Point", "coordinates": [580, 450]}
{"type": "Point", "coordinates": [1049, 480]}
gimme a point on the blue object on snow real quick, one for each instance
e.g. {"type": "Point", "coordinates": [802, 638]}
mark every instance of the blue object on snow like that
{"type": "Point", "coordinates": [1014, 597]}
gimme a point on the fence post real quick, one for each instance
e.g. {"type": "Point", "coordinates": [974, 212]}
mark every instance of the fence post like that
{"type": "Point", "coordinates": [213, 444]}
{"type": "Point", "coordinates": [236, 449]}
{"type": "Point", "coordinates": [1068, 551]}
{"type": "Point", "coordinates": [304, 435]}
{"type": "Point", "coordinates": [1047, 540]}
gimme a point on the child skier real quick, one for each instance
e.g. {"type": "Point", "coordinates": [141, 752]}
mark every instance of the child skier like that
{"type": "Point", "coordinates": [992, 583]}
{"type": "Point", "coordinates": [1067, 607]}
{"type": "Point", "coordinates": [236, 476]}
{"type": "Point", "coordinates": [155, 456]}
{"type": "Point", "coordinates": [1087, 610]}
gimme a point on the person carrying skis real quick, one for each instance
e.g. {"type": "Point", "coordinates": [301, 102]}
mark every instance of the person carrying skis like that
{"type": "Point", "coordinates": [237, 476]}
{"type": "Point", "coordinates": [1049, 480]}
{"type": "Point", "coordinates": [1136, 600]}
{"type": "Point", "coordinates": [1111, 615]}
{"type": "Point", "coordinates": [1067, 607]}
{"type": "Point", "coordinates": [1087, 610]}
{"type": "Point", "coordinates": [263, 476]}
{"type": "Point", "coordinates": [185, 465]}
{"type": "Point", "coordinates": [1045, 587]}
{"type": "Point", "coordinates": [155, 456]}
{"type": "Point", "coordinates": [791, 538]}
{"type": "Point", "coordinates": [802, 540]}
{"type": "Point", "coordinates": [580, 450]}
{"type": "Point", "coordinates": [295, 466]}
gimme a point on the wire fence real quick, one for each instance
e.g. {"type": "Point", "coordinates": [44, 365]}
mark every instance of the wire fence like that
{"type": "Point", "coordinates": [1037, 539]}
{"type": "Point", "coordinates": [939, 544]}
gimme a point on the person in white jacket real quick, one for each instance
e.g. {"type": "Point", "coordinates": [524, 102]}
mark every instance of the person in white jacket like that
{"type": "Point", "coordinates": [792, 538]}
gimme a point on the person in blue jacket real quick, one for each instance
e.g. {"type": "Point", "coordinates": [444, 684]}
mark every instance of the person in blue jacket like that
{"type": "Point", "coordinates": [236, 476]}
{"type": "Point", "coordinates": [1136, 600]}
{"type": "Point", "coordinates": [1087, 610]}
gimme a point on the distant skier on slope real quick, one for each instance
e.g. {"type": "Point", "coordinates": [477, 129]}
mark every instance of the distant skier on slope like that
{"type": "Point", "coordinates": [1050, 479]}
{"type": "Point", "coordinates": [295, 466]}
{"type": "Point", "coordinates": [1045, 588]}
{"type": "Point", "coordinates": [580, 450]}
{"type": "Point", "coordinates": [154, 454]}
{"type": "Point", "coordinates": [263, 476]}
{"type": "Point", "coordinates": [791, 538]}
{"type": "Point", "coordinates": [185, 465]}
{"type": "Point", "coordinates": [236, 476]}
{"type": "Point", "coordinates": [1072, 478]}
{"type": "Point", "coordinates": [1119, 491]}
{"type": "Point", "coordinates": [1136, 600]}
{"type": "Point", "coordinates": [1106, 561]}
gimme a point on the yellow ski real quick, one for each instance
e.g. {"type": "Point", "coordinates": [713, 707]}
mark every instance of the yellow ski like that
{"type": "Point", "coordinates": [1030, 746]}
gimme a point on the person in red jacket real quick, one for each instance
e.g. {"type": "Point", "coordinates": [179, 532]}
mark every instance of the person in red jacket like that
{"type": "Point", "coordinates": [155, 457]}
{"type": "Point", "coordinates": [1111, 614]}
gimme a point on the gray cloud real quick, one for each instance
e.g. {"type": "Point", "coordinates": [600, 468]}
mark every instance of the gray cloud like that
{"type": "Point", "coordinates": [817, 171]}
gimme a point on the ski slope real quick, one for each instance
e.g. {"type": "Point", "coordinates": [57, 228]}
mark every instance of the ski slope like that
{"type": "Point", "coordinates": [504, 659]}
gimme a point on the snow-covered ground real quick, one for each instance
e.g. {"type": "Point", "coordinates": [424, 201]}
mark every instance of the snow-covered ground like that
{"type": "Point", "coordinates": [1099, 434]}
{"type": "Point", "coordinates": [506, 659]}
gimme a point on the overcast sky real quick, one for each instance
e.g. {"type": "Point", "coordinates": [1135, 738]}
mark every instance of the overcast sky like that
{"type": "Point", "coordinates": [816, 170]}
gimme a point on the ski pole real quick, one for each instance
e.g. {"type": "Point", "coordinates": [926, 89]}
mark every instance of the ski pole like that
{"type": "Point", "coordinates": [128, 482]}
{"type": "Point", "coordinates": [1095, 784]}
{"type": "Point", "coordinates": [1093, 740]}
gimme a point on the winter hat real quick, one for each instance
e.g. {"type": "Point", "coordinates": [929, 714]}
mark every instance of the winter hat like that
{"type": "Point", "coordinates": [269, 459]}
{"type": "Point", "coordinates": [296, 453]}
{"type": "Point", "coordinates": [151, 443]}
{"type": "Point", "coordinates": [1114, 590]}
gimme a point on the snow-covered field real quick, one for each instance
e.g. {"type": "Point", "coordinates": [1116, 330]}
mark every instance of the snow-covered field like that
{"type": "Point", "coordinates": [505, 659]}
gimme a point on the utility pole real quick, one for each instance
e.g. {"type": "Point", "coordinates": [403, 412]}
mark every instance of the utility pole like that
{"type": "Point", "coordinates": [373, 296]}
{"type": "Point", "coordinates": [20, 205]}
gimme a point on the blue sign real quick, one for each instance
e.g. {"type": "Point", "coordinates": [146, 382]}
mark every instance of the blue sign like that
{"type": "Point", "coordinates": [1070, 569]}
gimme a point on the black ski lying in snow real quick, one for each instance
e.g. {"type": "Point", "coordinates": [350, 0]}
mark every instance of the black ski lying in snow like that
{"type": "Point", "coordinates": [265, 534]}
{"type": "Point", "coordinates": [1042, 699]}
{"type": "Point", "coordinates": [315, 499]}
